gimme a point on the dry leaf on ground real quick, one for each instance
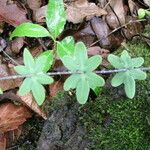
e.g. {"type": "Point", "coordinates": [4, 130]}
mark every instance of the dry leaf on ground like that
{"type": "Point", "coordinates": [12, 116]}
{"type": "Point", "coordinates": [118, 7]}
{"type": "Point", "coordinates": [8, 84]}
{"type": "Point", "coordinates": [83, 9]}
{"type": "Point", "coordinates": [55, 88]}
{"type": "Point", "coordinates": [76, 12]}
{"type": "Point", "coordinates": [15, 46]}
{"type": "Point", "coordinates": [31, 103]}
{"type": "Point", "coordinates": [2, 141]}
{"type": "Point", "coordinates": [11, 13]}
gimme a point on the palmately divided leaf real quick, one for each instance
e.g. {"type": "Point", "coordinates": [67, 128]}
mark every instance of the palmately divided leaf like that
{"type": "Point", "coordinates": [48, 55]}
{"type": "Point", "coordinates": [129, 84]}
{"type": "Point", "coordinates": [55, 17]}
{"type": "Point", "coordinates": [44, 79]}
{"type": "Point", "coordinates": [138, 74]}
{"type": "Point", "coordinates": [115, 61]}
{"type": "Point", "coordinates": [71, 82]}
{"type": "Point", "coordinates": [70, 63]}
{"type": "Point", "coordinates": [25, 86]}
{"type": "Point", "coordinates": [38, 92]}
{"type": "Point", "coordinates": [137, 62]}
{"type": "Point", "coordinates": [30, 30]}
{"type": "Point", "coordinates": [28, 60]}
{"type": "Point", "coordinates": [82, 91]}
{"type": "Point", "coordinates": [118, 79]}
{"type": "Point", "coordinates": [21, 70]}
{"type": "Point", "coordinates": [125, 57]}
{"type": "Point", "coordinates": [66, 47]}
{"type": "Point", "coordinates": [40, 63]}
{"type": "Point", "coordinates": [94, 80]}
{"type": "Point", "coordinates": [93, 62]}
{"type": "Point", "coordinates": [81, 51]}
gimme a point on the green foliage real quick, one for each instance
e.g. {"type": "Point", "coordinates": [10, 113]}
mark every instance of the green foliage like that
{"type": "Point", "coordinates": [55, 17]}
{"type": "Point", "coordinates": [116, 124]}
{"type": "Point", "coordinates": [74, 57]}
{"type": "Point", "coordinates": [128, 77]}
{"type": "Point", "coordinates": [142, 13]}
{"type": "Point", "coordinates": [35, 72]}
{"type": "Point", "coordinates": [66, 47]}
{"type": "Point", "coordinates": [83, 77]}
{"type": "Point", "coordinates": [30, 30]}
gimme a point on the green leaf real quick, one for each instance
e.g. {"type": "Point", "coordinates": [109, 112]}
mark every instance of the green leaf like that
{"type": "Point", "coordinates": [70, 63]}
{"type": "Point", "coordinates": [28, 60]}
{"type": "Point", "coordinates": [118, 79]}
{"type": "Point", "coordinates": [25, 86]}
{"type": "Point", "coordinates": [125, 57]}
{"type": "Point", "coordinates": [81, 52]}
{"type": "Point", "coordinates": [21, 70]}
{"type": "Point", "coordinates": [1, 91]}
{"type": "Point", "coordinates": [129, 84]}
{"type": "Point", "coordinates": [55, 17]}
{"type": "Point", "coordinates": [137, 62]}
{"type": "Point", "coordinates": [115, 61]}
{"type": "Point", "coordinates": [48, 55]}
{"type": "Point", "coordinates": [138, 74]}
{"type": "Point", "coordinates": [93, 62]}
{"type": "Point", "coordinates": [40, 63]}
{"type": "Point", "coordinates": [82, 91]}
{"type": "Point", "coordinates": [30, 30]}
{"type": "Point", "coordinates": [38, 92]}
{"type": "Point", "coordinates": [141, 13]}
{"type": "Point", "coordinates": [66, 47]}
{"type": "Point", "coordinates": [71, 82]}
{"type": "Point", "coordinates": [44, 79]}
{"type": "Point", "coordinates": [94, 80]}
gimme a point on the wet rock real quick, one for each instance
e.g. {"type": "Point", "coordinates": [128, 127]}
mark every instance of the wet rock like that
{"type": "Point", "coordinates": [62, 130]}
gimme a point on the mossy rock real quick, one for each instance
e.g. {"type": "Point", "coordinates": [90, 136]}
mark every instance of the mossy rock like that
{"type": "Point", "coordinates": [121, 123]}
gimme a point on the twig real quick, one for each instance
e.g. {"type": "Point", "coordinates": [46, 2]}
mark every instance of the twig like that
{"type": "Point", "coordinates": [69, 73]}
{"type": "Point", "coordinates": [118, 29]}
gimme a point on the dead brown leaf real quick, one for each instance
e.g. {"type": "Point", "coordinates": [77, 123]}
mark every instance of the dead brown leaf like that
{"type": "Point", "coordinates": [76, 12]}
{"type": "Point", "coordinates": [12, 116]}
{"type": "Point", "coordinates": [55, 88]}
{"type": "Point", "coordinates": [11, 13]}
{"type": "Point", "coordinates": [31, 103]}
{"type": "Point", "coordinates": [118, 8]}
{"type": "Point", "coordinates": [83, 9]}
{"type": "Point", "coordinates": [34, 4]}
{"type": "Point", "coordinates": [8, 84]}
{"type": "Point", "coordinates": [15, 46]}
{"type": "Point", "coordinates": [2, 141]}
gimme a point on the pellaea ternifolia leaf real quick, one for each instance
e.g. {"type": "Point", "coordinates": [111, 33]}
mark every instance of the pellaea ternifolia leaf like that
{"type": "Point", "coordinates": [83, 77]}
{"type": "Point", "coordinates": [128, 77]}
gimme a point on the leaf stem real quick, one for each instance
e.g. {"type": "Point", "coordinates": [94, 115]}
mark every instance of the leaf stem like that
{"type": "Point", "coordinates": [69, 73]}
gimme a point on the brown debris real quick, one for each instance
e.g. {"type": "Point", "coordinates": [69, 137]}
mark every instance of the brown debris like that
{"type": "Point", "coordinates": [11, 13]}
{"type": "Point", "coordinates": [12, 116]}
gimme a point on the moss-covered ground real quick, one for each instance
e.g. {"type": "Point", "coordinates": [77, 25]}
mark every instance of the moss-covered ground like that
{"type": "Point", "coordinates": [121, 123]}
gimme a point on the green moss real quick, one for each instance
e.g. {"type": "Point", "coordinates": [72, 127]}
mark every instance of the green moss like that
{"type": "Point", "coordinates": [121, 124]}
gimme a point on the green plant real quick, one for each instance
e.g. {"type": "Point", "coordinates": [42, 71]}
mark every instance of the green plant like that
{"type": "Point", "coordinates": [35, 70]}
{"type": "Point", "coordinates": [75, 59]}
{"type": "Point", "coordinates": [142, 13]}
{"type": "Point", "coordinates": [84, 77]}
{"type": "Point", "coordinates": [128, 77]}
